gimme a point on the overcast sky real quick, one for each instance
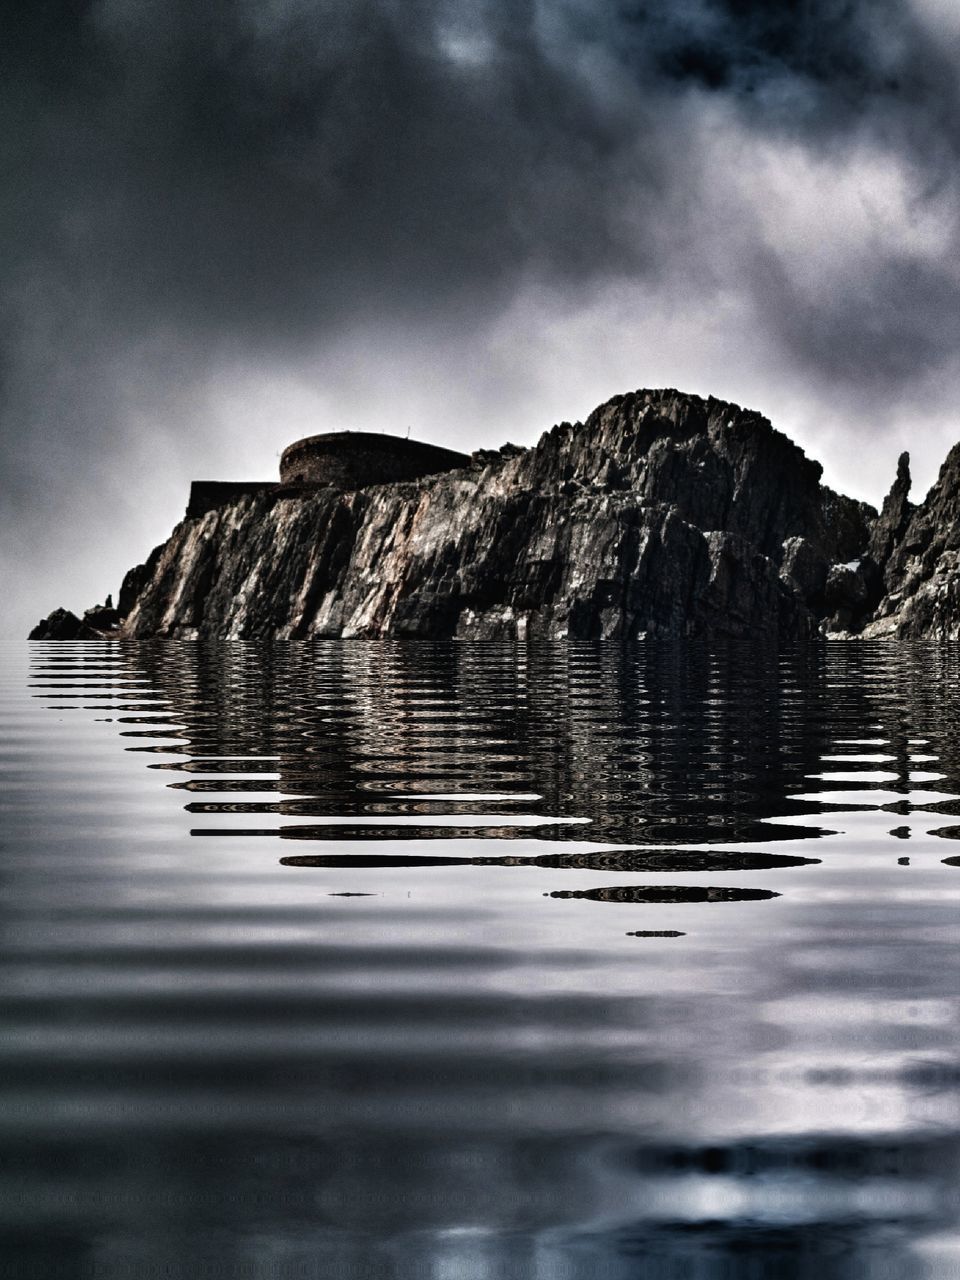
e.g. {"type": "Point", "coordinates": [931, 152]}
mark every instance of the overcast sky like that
{"type": "Point", "coordinates": [228, 224]}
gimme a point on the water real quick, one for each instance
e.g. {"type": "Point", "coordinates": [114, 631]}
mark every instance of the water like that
{"type": "Point", "coordinates": [467, 961]}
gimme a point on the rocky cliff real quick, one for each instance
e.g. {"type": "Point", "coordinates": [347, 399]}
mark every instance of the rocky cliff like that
{"type": "Point", "coordinates": [921, 570]}
{"type": "Point", "coordinates": [662, 514]}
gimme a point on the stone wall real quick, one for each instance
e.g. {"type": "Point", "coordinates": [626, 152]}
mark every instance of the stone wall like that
{"type": "Point", "coordinates": [354, 459]}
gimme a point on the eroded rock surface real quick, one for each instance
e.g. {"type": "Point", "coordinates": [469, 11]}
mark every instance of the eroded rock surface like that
{"type": "Point", "coordinates": [662, 514]}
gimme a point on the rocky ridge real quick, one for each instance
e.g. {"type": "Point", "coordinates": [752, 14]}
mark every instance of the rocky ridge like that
{"type": "Point", "coordinates": [662, 514]}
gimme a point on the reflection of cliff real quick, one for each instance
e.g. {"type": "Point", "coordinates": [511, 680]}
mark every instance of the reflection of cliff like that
{"type": "Point", "coordinates": [632, 860]}
{"type": "Point", "coordinates": [652, 745]}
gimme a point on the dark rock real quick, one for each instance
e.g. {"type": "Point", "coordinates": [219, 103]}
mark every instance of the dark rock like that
{"type": "Point", "coordinates": [61, 625]}
{"type": "Point", "coordinates": [98, 623]}
{"type": "Point", "coordinates": [481, 458]}
{"type": "Point", "coordinates": [922, 570]}
{"type": "Point", "coordinates": [208, 495]}
{"type": "Point", "coordinates": [805, 570]}
{"type": "Point", "coordinates": [101, 618]}
{"type": "Point", "coordinates": [135, 580]}
{"type": "Point", "coordinates": [662, 514]}
{"type": "Point", "coordinates": [895, 515]}
{"type": "Point", "coordinates": [841, 621]}
{"type": "Point", "coordinates": [848, 586]}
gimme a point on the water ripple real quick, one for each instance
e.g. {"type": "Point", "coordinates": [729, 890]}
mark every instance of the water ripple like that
{"type": "Point", "coordinates": [402, 960]}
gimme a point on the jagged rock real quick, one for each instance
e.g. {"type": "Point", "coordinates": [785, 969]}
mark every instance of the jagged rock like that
{"type": "Point", "coordinates": [894, 517]}
{"type": "Point", "coordinates": [661, 514]}
{"type": "Point", "coordinates": [62, 625]}
{"type": "Point", "coordinates": [922, 575]}
{"type": "Point", "coordinates": [97, 623]}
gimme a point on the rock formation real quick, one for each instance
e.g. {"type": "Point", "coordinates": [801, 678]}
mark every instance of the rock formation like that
{"type": "Point", "coordinates": [921, 572]}
{"type": "Point", "coordinates": [662, 514]}
{"type": "Point", "coordinates": [96, 623]}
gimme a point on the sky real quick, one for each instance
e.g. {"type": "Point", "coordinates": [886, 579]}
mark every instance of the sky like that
{"type": "Point", "coordinates": [226, 225]}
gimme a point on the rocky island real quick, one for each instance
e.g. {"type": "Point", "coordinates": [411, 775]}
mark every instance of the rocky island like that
{"type": "Point", "coordinates": [661, 514]}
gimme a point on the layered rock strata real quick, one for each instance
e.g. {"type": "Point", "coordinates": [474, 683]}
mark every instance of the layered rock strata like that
{"type": "Point", "coordinates": [662, 514]}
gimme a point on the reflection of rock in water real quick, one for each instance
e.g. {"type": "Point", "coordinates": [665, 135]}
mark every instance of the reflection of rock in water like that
{"type": "Point", "coordinates": [665, 893]}
{"type": "Point", "coordinates": [344, 831]}
{"type": "Point", "coordinates": [348, 727]}
{"type": "Point", "coordinates": [655, 744]}
{"type": "Point", "coordinates": [672, 860]}
{"type": "Point", "coordinates": [620, 860]}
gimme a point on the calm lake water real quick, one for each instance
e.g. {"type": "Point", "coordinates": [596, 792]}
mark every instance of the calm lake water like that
{"type": "Point", "coordinates": [388, 960]}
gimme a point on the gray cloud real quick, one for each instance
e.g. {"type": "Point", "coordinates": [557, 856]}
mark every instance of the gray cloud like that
{"type": "Point", "coordinates": [420, 204]}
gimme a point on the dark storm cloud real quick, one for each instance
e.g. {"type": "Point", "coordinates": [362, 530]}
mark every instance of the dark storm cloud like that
{"type": "Point", "coordinates": [259, 176]}
{"type": "Point", "coordinates": [281, 167]}
{"type": "Point", "coordinates": [742, 45]}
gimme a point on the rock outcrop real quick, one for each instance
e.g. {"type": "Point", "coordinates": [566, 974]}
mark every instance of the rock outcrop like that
{"type": "Point", "coordinates": [61, 625]}
{"type": "Point", "coordinates": [662, 514]}
{"type": "Point", "coordinates": [921, 574]}
{"type": "Point", "coordinates": [99, 623]}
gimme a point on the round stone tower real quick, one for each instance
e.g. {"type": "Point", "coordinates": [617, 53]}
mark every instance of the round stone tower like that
{"type": "Point", "coordinates": [354, 459]}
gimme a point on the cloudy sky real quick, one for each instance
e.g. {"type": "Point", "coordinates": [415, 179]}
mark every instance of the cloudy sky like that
{"type": "Point", "coordinates": [227, 224]}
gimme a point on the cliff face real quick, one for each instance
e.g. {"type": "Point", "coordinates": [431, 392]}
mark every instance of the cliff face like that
{"type": "Point", "coordinates": [661, 514]}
